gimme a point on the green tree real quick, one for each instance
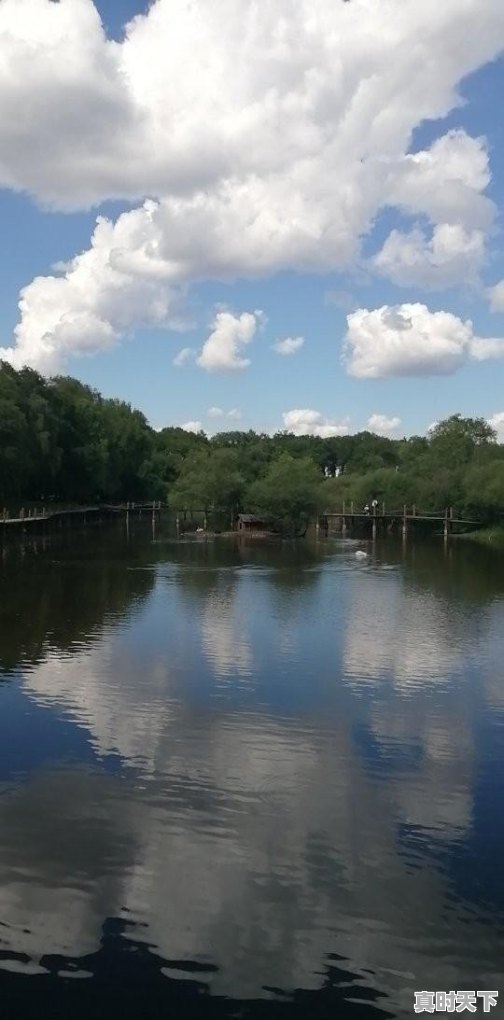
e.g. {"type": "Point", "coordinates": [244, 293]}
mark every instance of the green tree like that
{"type": "Point", "coordinates": [484, 490]}
{"type": "Point", "coordinates": [61, 438]}
{"type": "Point", "coordinates": [81, 438]}
{"type": "Point", "coordinates": [455, 440]}
{"type": "Point", "coordinates": [14, 449]}
{"type": "Point", "coordinates": [129, 445]}
{"type": "Point", "coordinates": [208, 481]}
{"type": "Point", "coordinates": [289, 491]}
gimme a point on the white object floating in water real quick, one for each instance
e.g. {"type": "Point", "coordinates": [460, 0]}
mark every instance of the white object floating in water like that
{"type": "Point", "coordinates": [360, 555]}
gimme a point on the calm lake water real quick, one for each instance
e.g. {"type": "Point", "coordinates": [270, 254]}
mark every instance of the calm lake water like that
{"type": "Point", "coordinates": [248, 780]}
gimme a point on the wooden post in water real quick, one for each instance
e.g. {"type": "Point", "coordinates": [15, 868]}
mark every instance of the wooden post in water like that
{"type": "Point", "coordinates": [448, 525]}
{"type": "Point", "coordinates": [373, 532]}
{"type": "Point", "coordinates": [405, 521]}
{"type": "Point", "coordinates": [343, 525]}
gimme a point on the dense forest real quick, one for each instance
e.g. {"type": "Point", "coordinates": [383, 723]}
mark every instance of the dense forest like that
{"type": "Point", "coordinates": [62, 441]}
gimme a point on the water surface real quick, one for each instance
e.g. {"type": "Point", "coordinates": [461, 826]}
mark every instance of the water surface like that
{"type": "Point", "coordinates": [248, 779]}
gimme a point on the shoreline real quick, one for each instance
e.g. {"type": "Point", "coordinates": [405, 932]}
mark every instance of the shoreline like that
{"type": "Point", "coordinates": [487, 537]}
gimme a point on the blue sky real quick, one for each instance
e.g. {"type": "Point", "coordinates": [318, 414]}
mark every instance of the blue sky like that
{"type": "Point", "coordinates": [275, 186]}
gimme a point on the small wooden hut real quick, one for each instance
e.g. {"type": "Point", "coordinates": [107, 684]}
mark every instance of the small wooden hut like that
{"type": "Point", "coordinates": [253, 523]}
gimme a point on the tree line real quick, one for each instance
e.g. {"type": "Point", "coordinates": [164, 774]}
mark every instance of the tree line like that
{"type": "Point", "coordinates": [63, 441]}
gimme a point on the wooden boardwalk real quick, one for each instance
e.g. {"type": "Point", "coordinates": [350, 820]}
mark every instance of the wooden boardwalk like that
{"type": "Point", "coordinates": [378, 519]}
{"type": "Point", "coordinates": [382, 518]}
{"type": "Point", "coordinates": [27, 518]}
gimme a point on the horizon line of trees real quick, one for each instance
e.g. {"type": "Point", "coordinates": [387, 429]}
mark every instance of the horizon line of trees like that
{"type": "Point", "coordinates": [61, 440]}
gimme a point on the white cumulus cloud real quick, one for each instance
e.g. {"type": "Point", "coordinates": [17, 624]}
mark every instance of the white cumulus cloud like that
{"type": "Point", "coordinates": [305, 422]}
{"type": "Point", "coordinates": [484, 348]}
{"type": "Point", "coordinates": [222, 349]}
{"type": "Point", "coordinates": [497, 423]}
{"type": "Point", "coordinates": [450, 256]}
{"type": "Point", "coordinates": [185, 355]}
{"type": "Point", "coordinates": [382, 425]}
{"type": "Point", "coordinates": [217, 412]}
{"type": "Point", "coordinates": [446, 182]}
{"type": "Point", "coordinates": [192, 426]}
{"type": "Point", "coordinates": [103, 294]}
{"type": "Point", "coordinates": [285, 169]}
{"type": "Point", "coordinates": [290, 345]}
{"type": "Point", "coordinates": [496, 297]}
{"type": "Point", "coordinates": [410, 340]}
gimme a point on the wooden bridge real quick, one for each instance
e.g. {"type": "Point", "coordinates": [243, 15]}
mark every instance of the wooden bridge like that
{"type": "Point", "coordinates": [44, 515]}
{"type": "Point", "coordinates": [380, 518]}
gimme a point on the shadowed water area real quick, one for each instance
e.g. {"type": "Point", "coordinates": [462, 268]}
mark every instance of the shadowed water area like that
{"type": "Point", "coordinates": [248, 779]}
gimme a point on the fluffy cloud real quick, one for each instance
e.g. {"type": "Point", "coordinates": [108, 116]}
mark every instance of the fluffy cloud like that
{"type": "Point", "coordinates": [410, 340]}
{"type": "Point", "coordinates": [185, 355]}
{"type": "Point", "coordinates": [217, 412]}
{"type": "Point", "coordinates": [304, 422]}
{"type": "Point", "coordinates": [452, 254]}
{"type": "Point", "coordinates": [154, 115]}
{"type": "Point", "coordinates": [496, 297]}
{"type": "Point", "coordinates": [239, 181]}
{"type": "Point", "coordinates": [103, 294]}
{"type": "Point", "coordinates": [230, 333]}
{"type": "Point", "coordinates": [192, 426]}
{"type": "Point", "coordinates": [484, 348]}
{"type": "Point", "coordinates": [497, 423]}
{"type": "Point", "coordinates": [383, 426]}
{"type": "Point", "coordinates": [290, 345]}
{"type": "Point", "coordinates": [445, 183]}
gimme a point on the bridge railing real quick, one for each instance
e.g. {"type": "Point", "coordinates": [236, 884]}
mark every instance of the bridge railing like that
{"type": "Point", "coordinates": [405, 512]}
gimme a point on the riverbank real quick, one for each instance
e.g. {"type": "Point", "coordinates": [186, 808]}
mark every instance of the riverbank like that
{"type": "Point", "coordinates": [486, 536]}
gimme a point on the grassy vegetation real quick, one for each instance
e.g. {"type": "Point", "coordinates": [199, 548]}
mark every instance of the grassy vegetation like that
{"type": "Point", "coordinates": [493, 537]}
